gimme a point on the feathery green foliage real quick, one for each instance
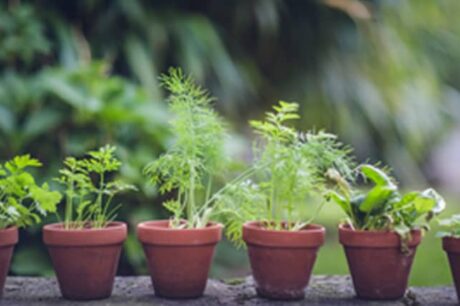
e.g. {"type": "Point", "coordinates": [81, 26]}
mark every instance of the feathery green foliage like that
{"type": "Point", "coordinates": [22, 201]}
{"type": "Point", "coordinates": [290, 169]}
{"type": "Point", "coordinates": [190, 166]}
{"type": "Point", "coordinates": [88, 201]}
{"type": "Point", "coordinates": [383, 207]}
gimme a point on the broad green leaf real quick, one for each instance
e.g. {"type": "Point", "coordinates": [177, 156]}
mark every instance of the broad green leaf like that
{"type": "Point", "coordinates": [424, 204]}
{"type": "Point", "coordinates": [376, 197]}
{"type": "Point", "coordinates": [25, 179]}
{"type": "Point", "coordinates": [408, 198]}
{"type": "Point", "coordinates": [21, 162]}
{"type": "Point", "coordinates": [45, 199]}
{"type": "Point", "coordinates": [440, 203]}
{"type": "Point", "coordinates": [377, 176]}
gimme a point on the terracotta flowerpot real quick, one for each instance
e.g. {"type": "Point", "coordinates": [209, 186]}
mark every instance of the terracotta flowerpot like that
{"type": "Point", "coordinates": [178, 259]}
{"type": "Point", "coordinates": [85, 260]}
{"type": "Point", "coordinates": [452, 247]}
{"type": "Point", "coordinates": [378, 267]}
{"type": "Point", "coordinates": [8, 239]}
{"type": "Point", "coordinates": [282, 261]}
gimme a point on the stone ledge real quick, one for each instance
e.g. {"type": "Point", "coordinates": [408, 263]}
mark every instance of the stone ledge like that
{"type": "Point", "coordinates": [323, 290]}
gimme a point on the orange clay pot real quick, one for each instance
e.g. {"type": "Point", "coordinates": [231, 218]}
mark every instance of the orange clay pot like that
{"type": "Point", "coordinates": [378, 267]}
{"type": "Point", "coordinates": [178, 259]}
{"type": "Point", "coordinates": [8, 239]}
{"type": "Point", "coordinates": [85, 260]}
{"type": "Point", "coordinates": [282, 261]}
{"type": "Point", "coordinates": [452, 247]}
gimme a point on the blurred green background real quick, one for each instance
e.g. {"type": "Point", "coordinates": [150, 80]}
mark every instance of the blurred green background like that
{"type": "Point", "coordinates": [382, 74]}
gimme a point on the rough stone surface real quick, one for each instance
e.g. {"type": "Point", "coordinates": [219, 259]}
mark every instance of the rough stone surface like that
{"type": "Point", "coordinates": [323, 290]}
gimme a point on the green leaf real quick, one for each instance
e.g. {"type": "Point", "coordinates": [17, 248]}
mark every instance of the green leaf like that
{"type": "Point", "coordinates": [423, 204]}
{"type": "Point", "coordinates": [376, 197]}
{"type": "Point", "coordinates": [409, 197]}
{"type": "Point", "coordinates": [45, 199]}
{"type": "Point", "coordinates": [376, 175]}
{"type": "Point", "coordinates": [89, 190]}
{"type": "Point", "coordinates": [440, 203]}
{"type": "Point", "coordinates": [21, 162]}
{"type": "Point", "coordinates": [172, 206]}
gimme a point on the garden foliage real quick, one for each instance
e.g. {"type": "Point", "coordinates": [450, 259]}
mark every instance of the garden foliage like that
{"type": "Point", "coordinates": [23, 202]}
{"type": "Point", "coordinates": [89, 191]}
{"type": "Point", "coordinates": [288, 172]}
{"type": "Point", "coordinates": [450, 227]}
{"type": "Point", "coordinates": [196, 156]}
{"type": "Point", "coordinates": [383, 207]}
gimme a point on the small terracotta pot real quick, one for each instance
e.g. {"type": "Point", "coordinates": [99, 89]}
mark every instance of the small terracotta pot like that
{"type": "Point", "coordinates": [452, 247]}
{"type": "Point", "coordinates": [8, 239]}
{"type": "Point", "coordinates": [378, 267]}
{"type": "Point", "coordinates": [282, 261]}
{"type": "Point", "coordinates": [178, 259]}
{"type": "Point", "coordinates": [85, 260]}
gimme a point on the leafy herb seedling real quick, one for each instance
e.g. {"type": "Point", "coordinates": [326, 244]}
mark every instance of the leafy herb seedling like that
{"type": "Point", "coordinates": [22, 201]}
{"type": "Point", "coordinates": [290, 169]}
{"type": "Point", "coordinates": [451, 227]}
{"type": "Point", "coordinates": [383, 207]}
{"type": "Point", "coordinates": [88, 189]}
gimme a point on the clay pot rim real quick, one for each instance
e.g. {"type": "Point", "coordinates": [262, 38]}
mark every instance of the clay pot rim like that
{"type": "Point", "coordinates": [9, 236]}
{"type": "Point", "coordinates": [159, 226]}
{"type": "Point", "coordinates": [451, 244]}
{"type": "Point", "coordinates": [157, 232]}
{"type": "Point", "coordinates": [59, 227]}
{"type": "Point", "coordinates": [374, 239]}
{"type": "Point", "coordinates": [56, 235]}
{"type": "Point", "coordinates": [311, 236]}
{"type": "Point", "coordinates": [310, 228]}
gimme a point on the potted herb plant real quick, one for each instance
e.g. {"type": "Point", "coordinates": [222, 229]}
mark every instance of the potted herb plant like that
{"type": "Point", "coordinates": [179, 250]}
{"type": "Point", "coordinates": [382, 231]}
{"type": "Point", "coordinates": [451, 244]}
{"type": "Point", "coordinates": [266, 212]}
{"type": "Point", "coordinates": [86, 245]}
{"type": "Point", "coordinates": [22, 203]}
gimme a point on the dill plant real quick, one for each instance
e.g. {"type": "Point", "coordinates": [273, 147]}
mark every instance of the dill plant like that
{"type": "Point", "coordinates": [22, 201]}
{"type": "Point", "coordinates": [383, 207]}
{"type": "Point", "coordinates": [88, 189]}
{"type": "Point", "coordinates": [289, 170]}
{"type": "Point", "coordinates": [197, 156]}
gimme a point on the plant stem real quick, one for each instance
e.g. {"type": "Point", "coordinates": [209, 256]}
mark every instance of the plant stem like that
{"type": "Point", "coordinates": [273, 206]}
{"type": "Point", "coordinates": [99, 213]}
{"type": "Point", "coordinates": [240, 177]}
{"type": "Point", "coordinates": [191, 202]}
{"type": "Point", "coordinates": [208, 188]}
{"type": "Point", "coordinates": [105, 213]}
{"type": "Point", "coordinates": [68, 205]}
